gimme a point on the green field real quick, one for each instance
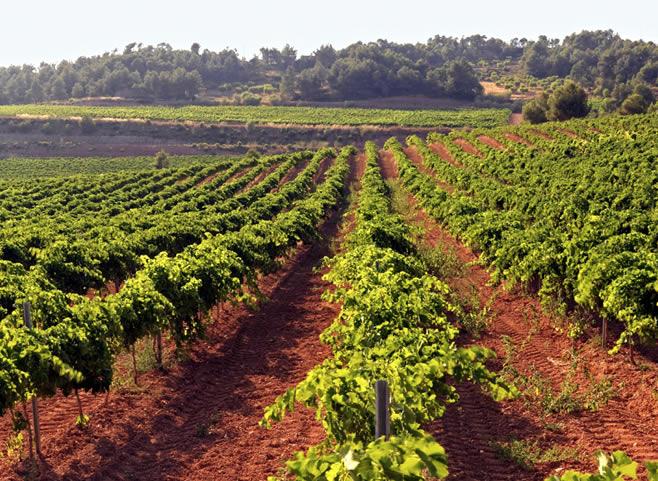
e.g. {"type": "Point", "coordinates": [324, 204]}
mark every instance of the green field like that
{"type": "Point", "coordinates": [273, 115]}
{"type": "Point", "coordinates": [16, 167]}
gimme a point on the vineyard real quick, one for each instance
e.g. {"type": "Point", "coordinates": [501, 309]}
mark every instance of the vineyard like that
{"type": "Point", "coordinates": [270, 115]}
{"type": "Point", "coordinates": [15, 168]}
{"type": "Point", "coordinates": [502, 280]}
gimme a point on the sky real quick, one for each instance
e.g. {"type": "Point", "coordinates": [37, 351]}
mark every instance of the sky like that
{"type": "Point", "coordinates": [46, 30]}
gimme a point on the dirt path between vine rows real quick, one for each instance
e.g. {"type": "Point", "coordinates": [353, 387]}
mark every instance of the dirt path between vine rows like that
{"type": "Point", "coordinates": [199, 421]}
{"type": "Point", "coordinates": [474, 429]}
{"type": "Point", "coordinates": [467, 147]}
{"type": "Point", "coordinates": [491, 142]}
{"type": "Point", "coordinates": [518, 139]}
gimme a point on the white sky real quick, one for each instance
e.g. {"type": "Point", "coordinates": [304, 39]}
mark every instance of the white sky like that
{"type": "Point", "coordinates": [36, 30]}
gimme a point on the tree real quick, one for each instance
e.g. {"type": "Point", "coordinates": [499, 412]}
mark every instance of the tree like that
{"type": "Point", "coordinates": [288, 57]}
{"type": "Point", "coordinates": [534, 111]}
{"type": "Point", "coordinates": [271, 56]}
{"type": "Point", "coordinates": [311, 81]}
{"type": "Point", "coordinates": [36, 92]}
{"type": "Point", "coordinates": [634, 104]}
{"type": "Point", "coordinates": [58, 89]}
{"type": "Point", "coordinates": [161, 160]}
{"type": "Point", "coordinates": [534, 58]}
{"type": "Point", "coordinates": [645, 92]}
{"type": "Point", "coordinates": [436, 82]}
{"type": "Point", "coordinates": [129, 48]}
{"type": "Point", "coordinates": [287, 85]}
{"type": "Point", "coordinates": [356, 79]}
{"type": "Point", "coordinates": [568, 101]}
{"type": "Point", "coordinates": [78, 90]}
{"type": "Point", "coordinates": [326, 55]}
{"type": "Point", "coordinates": [461, 81]}
{"type": "Point", "coordinates": [195, 48]}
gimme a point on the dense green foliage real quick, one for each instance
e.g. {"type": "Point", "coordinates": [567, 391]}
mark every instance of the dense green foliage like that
{"type": "Point", "coordinates": [21, 167]}
{"type": "Point", "coordinates": [77, 337]}
{"type": "Point", "coordinates": [393, 325]}
{"type": "Point", "coordinates": [275, 115]}
{"type": "Point", "coordinates": [439, 67]}
{"type": "Point", "coordinates": [609, 66]}
{"type": "Point", "coordinates": [576, 217]}
{"type": "Point", "coordinates": [361, 70]}
{"type": "Point", "coordinates": [598, 59]}
{"type": "Point", "coordinates": [566, 102]}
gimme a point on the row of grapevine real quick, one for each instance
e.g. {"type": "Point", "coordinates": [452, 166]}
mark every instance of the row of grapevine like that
{"type": "Point", "coordinates": [110, 194]}
{"type": "Point", "coordinates": [271, 115]}
{"type": "Point", "coordinates": [576, 216]}
{"type": "Point", "coordinates": [87, 251]}
{"type": "Point", "coordinates": [74, 344]}
{"type": "Point", "coordinates": [22, 168]}
{"type": "Point", "coordinates": [393, 325]}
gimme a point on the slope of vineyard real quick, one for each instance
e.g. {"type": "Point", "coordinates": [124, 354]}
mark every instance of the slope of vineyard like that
{"type": "Point", "coordinates": [393, 325]}
{"type": "Point", "coordinates": [200, 415]}
{"type": "Point", "coordinates": [555, 232]}
{"type": "Point", "coordinates": [73, 345]}
{"type": "Point", "coordinates": [574, 395]}
{"type": "Point", "coordinates": [574, 216]}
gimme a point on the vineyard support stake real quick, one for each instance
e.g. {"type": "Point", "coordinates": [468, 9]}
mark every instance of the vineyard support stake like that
{"type": "Point", "coordinates": [27, 318]}
{"type": "Point", "coordinates": [382, 410]}
{"type": "Point", "coordinates": [158, 357]}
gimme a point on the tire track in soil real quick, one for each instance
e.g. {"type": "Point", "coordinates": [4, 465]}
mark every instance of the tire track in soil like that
{"type": "Point", "coordinates": [471, 426]}
{"type": "Point", "coordinates": [200, 420]}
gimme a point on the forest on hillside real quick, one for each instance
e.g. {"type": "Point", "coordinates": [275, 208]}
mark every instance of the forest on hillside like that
{"type": "Point", "coordinates": [602, 61]}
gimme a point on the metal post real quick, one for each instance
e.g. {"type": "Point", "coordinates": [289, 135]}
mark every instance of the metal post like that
{"type": "Point", "coordinates": [27, 318]}
{"type": "Point", "coordinates": [382, 410]}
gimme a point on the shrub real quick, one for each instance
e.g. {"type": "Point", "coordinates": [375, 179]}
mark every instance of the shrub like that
{"type": "Point", "coordinates": [161, 160]}
{"type": "Point", "coordinates": [87, 125]}
{"type": "Point", "coordinates": [248, 98]}
{"type": "Point", "coordinates": [534, 111]}
{"type": "Point", "coordinates": [567, 101]}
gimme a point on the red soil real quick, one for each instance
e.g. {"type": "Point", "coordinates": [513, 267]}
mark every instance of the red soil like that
{"type": "Point", "coordinates": [324, 165]}
{"type": "Point", "coordinates": [207, 180]}
{"type": "Point", "coordinates": [199, 421]}
{"type": "Point", "coordinates": [518, 139]}
{"type": "Point", "coordinates": [627, 422]}
{"type": "Point", "coordinates": [441, 150]}
{"type": "Point", "coordinates": [485, 139]}
{"type": "Point", "coordinates": [541, 134]}
{"type": "Point", "coordinates": [415, 157]}
{"type": "Point", "coordinates": [467, 147]}
{"type": "Point", "coordinates": [387, 164]}
{"type": "Point", "coordinates": [472, 426]}
{"type": "Point", "coordinates": [260, 177]}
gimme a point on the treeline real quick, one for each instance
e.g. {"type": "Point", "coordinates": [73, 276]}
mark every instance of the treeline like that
{"type": "Point", "coordinates": [440, 67]}
{"type": "Point", "coordinates": [609, 66]}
